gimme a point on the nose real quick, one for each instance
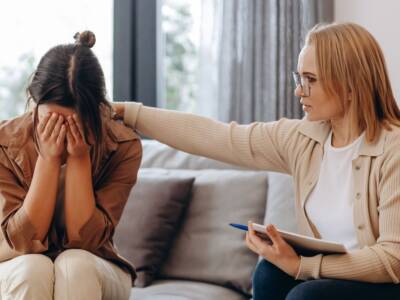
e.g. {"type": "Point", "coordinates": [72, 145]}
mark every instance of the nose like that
{"type": "Point", "coordinates": [297, 91]}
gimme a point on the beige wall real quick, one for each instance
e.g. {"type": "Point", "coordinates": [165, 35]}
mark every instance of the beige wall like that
{"type": "Point", "coordinates": [382, 19]}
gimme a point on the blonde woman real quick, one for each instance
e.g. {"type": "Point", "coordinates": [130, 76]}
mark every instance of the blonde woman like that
{"type": "Point", "coordinates": [344, 158]}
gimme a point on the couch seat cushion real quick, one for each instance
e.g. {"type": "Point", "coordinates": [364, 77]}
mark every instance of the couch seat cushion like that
{"type": "Point", "coordinates": [183, 290]}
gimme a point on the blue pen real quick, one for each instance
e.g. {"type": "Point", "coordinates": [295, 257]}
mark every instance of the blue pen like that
{"type": "Point", "coordinates": [240, 226]}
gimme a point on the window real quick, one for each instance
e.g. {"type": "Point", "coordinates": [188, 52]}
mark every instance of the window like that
{"type": "Point", "coordinates": [179, 57]}
{"type": "Point", "coordinates": [29, 31]}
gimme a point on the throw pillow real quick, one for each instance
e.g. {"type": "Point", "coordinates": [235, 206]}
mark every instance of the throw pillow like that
{"type": "Point", "coordinates": [150, 221]}
{"type": "Point", "coordinates": [206, 248]}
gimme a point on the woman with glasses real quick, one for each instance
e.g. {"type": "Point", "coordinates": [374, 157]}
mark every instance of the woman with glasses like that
{"type": "Point", "coordinates": [344, 157]}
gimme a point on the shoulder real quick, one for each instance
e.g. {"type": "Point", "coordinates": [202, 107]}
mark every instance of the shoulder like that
{"type": "Point", "coordinates": [17, 131]}
{"type": "Point", "coordinates": [391, 145]}
{"type": "Point", "coordinates": [120, 133]}
{"type": "Point", "coordinates": [301, 129]}
{"type": "Point", "coordinates": [123, 140]}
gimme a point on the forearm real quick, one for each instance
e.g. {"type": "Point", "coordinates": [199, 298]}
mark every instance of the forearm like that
{"type": "Point", "coordinates": [256, 146]}
{"type": "Point", "coordinates": [40, 200]}
{"type": "Point", "coordinates": [187, 132]}
{"type": "Point", "coordinates": [364, 264]}
{"type": "Point", "coordinates": [79, 196]}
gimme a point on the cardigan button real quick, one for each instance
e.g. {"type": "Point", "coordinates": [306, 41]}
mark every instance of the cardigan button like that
{"type": "Point", "coordinates": [360, 227]}
{"type": "Point", "coordinates": [357, 167]}
{"type": "Point", "coordinates": [358, 195]}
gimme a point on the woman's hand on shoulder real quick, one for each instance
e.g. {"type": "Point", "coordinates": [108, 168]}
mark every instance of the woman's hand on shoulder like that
{"type": "Point", "coordinates": [51, 133]}
{"type": "Point", "coordinates": [277, 252]}
{"type": "Point", "coordinates": [76, 143]}
{"type": "Point", "coordinates": [119, 109]}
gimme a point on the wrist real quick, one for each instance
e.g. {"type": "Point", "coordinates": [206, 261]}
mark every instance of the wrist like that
{"type": "Point", "coordinates": [296, 268]}
{"type": "Point", "coordinates": [83, 157]}
{"type": "Point", "coordinates": [50, 160]}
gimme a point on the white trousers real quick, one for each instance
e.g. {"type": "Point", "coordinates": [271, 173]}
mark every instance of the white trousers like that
{"type": "Point", "coordinates": [76, 274]}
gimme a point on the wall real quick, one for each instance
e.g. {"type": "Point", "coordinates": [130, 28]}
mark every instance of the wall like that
{"type": "Point", "coordinates": [382, 19]}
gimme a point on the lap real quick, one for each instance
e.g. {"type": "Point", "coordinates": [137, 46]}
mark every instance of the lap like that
{"type": "Point", "coordinates": [82, 261]}
{"type": "Point", "coordinates": [343, 289]}
{"type": "Point", "coordinates": [268, 279]}
{"type": "Point", "coordinates": [92, 274]}
{"type": "Point", "coordinates": [27, 264]}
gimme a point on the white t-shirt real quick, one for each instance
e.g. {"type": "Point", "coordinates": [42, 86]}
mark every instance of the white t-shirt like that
{"type": "Point", "coordinates": [330, 204]}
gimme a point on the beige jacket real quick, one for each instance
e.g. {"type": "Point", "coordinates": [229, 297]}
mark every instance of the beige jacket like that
{"type": "Point", "coordinates": [296, 147]}
{"type": "Point", "coordinates": [112, 184]}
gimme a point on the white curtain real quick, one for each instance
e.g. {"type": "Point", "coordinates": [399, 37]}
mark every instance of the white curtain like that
{"type": "Point", "coordinates": [247, 52]}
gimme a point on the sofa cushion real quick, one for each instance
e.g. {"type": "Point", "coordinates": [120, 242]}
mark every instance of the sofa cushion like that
{"type": "Point", "coordinates": [157, 155]}
{"type": "Point", "coordinates": [150, 221]}
{"type": "Point", "coordinates": [280, 209]}
{"type": "Point", "coordinates": [183, 290]}
{"type": "Point", "coordinates": [207, 249]}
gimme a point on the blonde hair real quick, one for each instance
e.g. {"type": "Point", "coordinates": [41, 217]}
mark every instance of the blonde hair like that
{"type": "Point", "coordinates": [351, 66]}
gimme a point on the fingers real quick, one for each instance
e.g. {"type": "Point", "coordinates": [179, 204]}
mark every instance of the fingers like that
{"type": "Point", "coordinates": [61, 137]}
{"type": "Point", "coordinates": [79, 125]}
{"type": "Point", "coordinates": [70, 138]}
{"type": "Point", "coordinates": [250, 245]}
{"type": "Point", "coordinates": [57, 128]}
{"type": "Point", "coordinates": [49, 127]}
{"type": "Point", "coordinates": [74, 129]}
{"type": "Point", "coordinates": [274, 235]}
{"type": "Point", "coordinates": [258, 242]}
{"type": "Point", "coordinates": [42, 124]}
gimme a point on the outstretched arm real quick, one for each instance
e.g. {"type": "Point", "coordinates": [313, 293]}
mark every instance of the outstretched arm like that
{"type": "Point", "coordinates": [259, 145]}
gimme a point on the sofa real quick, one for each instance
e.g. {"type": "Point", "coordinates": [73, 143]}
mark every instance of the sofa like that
{"type": "Point", "coordinates": [183, 247]}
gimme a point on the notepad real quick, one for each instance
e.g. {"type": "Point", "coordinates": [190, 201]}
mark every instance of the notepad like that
{"type": "Point", "coordinates": [300, 243]}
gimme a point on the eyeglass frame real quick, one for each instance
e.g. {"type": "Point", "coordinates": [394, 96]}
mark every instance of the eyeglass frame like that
{"type": "Point", "coordinates": [303, 82]}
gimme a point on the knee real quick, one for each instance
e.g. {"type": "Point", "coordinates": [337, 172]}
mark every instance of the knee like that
{"type": "Point", "coordinates": [32, 268]}
{"type": "Point", "coordinates": [32, 274]}
{"type": "Point", "coordinates": [309, 290]}
{"type": "Point", "coordinates": [264, 274]}
{"type": "Point", "coordinates": [75, 263]}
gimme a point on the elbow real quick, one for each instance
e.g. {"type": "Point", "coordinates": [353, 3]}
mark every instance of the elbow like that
{"type": "Point", "coordinates": [22, 244]}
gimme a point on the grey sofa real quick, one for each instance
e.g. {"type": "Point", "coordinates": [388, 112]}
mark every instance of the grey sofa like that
{"type": "Point", "coordinates": [208, 259]}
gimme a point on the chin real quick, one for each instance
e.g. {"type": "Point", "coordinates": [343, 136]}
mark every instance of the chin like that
{"type": "Point", "coordinates": [312, 118]}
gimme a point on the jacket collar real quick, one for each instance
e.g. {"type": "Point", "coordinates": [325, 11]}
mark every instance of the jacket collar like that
{"type": "Point", "coordinates": [319, 131]}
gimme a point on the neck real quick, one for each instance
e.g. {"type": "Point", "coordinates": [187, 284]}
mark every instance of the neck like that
{"type": "Point", "coordinates": [342, 135]}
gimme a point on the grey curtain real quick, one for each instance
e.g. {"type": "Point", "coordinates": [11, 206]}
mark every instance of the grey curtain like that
{"type": "Point", "coordinates": [258, 48]}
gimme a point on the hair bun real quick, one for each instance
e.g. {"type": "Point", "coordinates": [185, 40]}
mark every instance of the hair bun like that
{"type": "Point", "coordinates": [85, 38]}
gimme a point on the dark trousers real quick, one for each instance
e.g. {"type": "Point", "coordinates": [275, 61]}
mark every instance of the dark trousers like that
{"type": "Point", "coordinates": [270, 283]}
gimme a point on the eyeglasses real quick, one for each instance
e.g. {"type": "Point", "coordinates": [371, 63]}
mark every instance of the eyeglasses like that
{"type": "Point", "coordinates": [303, 82]}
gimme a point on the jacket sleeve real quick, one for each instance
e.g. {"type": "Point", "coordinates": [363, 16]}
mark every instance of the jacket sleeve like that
{"type": "Point", "coordinates": [378, 263]}
{"type": "Point", "coordinates": [17, 231]}
{"type": "Point", "coordinates": [110, 199]}
{"type": "Point", "coordinates": [260, 145]}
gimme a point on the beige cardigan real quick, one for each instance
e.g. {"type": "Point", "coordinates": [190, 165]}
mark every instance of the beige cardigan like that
{"type": "Point", "coordinates": [296, 147]}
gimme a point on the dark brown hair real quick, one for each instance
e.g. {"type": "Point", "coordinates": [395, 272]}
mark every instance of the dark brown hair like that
{"type": "Point", "coordinates": [70, 75]}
